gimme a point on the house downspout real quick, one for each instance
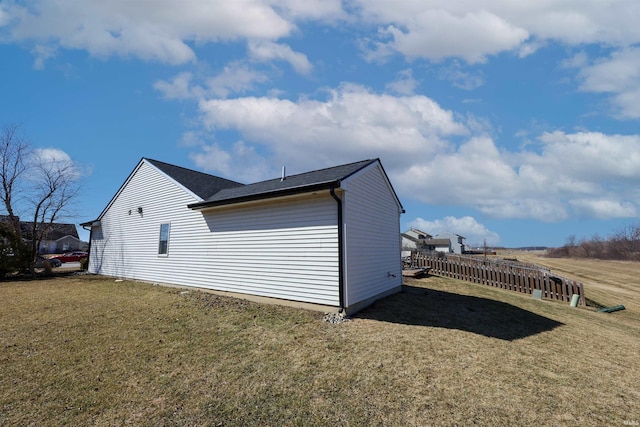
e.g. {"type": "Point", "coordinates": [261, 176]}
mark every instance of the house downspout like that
{"type": "Point", "coordinates": [340, 247]}
{"type": "Point", "coordinates": [89, 246]}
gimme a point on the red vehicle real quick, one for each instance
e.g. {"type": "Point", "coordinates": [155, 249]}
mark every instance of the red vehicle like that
{"type": "Point", "coordinates": [71, 256]}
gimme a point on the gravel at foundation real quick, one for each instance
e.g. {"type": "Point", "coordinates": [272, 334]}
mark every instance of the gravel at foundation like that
{"type": "Point", "coordinates": [335, 318]}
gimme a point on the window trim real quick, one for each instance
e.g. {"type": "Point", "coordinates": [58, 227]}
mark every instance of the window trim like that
{"type": "Point", "coordinates": [166, 242]}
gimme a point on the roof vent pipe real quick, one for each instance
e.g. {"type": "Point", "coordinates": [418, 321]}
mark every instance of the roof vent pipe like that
{"type": "Point", "coordinates": [284, 173]}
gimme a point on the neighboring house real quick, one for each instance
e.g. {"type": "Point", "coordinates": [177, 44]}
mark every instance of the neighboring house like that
{"type": "Point", "coordinates": [57, 238]}
{"type": "Point", "coordinates": [414, 233]}
{"type": "Point", "coordinates": [408, 244]}
{"type": "Point", "coordinates": [458, 243]}
{"type": "Point", "coordinates": [438, 245]}
{"type": "Point", "coordinates": [329, 237]}
{"type": "Point", "coordinates": [413, 240]}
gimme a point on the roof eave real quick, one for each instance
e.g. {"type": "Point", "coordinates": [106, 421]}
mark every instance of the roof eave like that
{"type": "Point", "coordinates": [265, 196]}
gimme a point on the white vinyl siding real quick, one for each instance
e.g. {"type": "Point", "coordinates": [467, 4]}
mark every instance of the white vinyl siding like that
{"type": "Point", "coordinates": [285, 250]}
{"type": "Point", "coordinates": [126, 242]}
{"type": "Point", "coordinates": [372, 235]}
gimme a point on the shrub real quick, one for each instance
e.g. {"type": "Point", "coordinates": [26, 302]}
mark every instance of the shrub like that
{"type": "Point", "coordinates": [84, 264]}
{"type": "Point", "coordinates": [624, 245]}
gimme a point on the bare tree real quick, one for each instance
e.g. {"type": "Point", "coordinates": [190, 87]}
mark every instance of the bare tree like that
{"type": "Point", "coordinates": [38, 184]}
{"type": "Point", "coordinates": [13, 153]}
{"type": "Point", "coordinates": [626, 242]}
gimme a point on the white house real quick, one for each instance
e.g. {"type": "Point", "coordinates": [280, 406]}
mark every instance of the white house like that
{"type": "Point", "coordinates": [417, 235]}
{"type": "Point", "coordinates": [412, 240]}
{"type": "Point", "coordinates": [61, 238]}
{"type": "Point", "coordinates": [438, 245]}
{"type": "Point", "coordinates": [458, 243]}
{"type": "Point", "coordinates": [329, 237]}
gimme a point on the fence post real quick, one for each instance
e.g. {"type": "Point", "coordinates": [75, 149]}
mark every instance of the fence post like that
{"type": "Point", "coordinates": [581, 292]}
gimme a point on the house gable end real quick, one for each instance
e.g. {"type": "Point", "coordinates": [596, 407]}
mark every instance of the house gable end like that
{"type": "Point", "coordinates": [198, 181]}
{"type": "Point", "coordinates": [377, 164]}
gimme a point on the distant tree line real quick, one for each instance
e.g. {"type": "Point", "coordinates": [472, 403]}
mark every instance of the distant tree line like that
{"type": "Point", "coordinates": [623, 245]}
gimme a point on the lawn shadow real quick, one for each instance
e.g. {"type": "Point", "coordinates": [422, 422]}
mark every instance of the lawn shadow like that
{"type": "Point", "coordinates": [440, 309]}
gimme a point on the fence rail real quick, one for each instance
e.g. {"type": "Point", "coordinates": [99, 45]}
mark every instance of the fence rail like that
{"type": "Point", "coordinates": [509, 276]}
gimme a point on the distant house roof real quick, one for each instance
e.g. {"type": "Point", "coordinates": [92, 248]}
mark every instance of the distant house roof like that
{"type": "Point", "coordinates": [53, 231]}
{"type": "Point", "coordinates": [294, 184]}
{"type": "Point", "coordinates": [415, 233]}
{"type": "Point", "coordinates": [437, 242]}
{"type": "Point", "coordinates": [449, 233]}
{"type": "Point", "coordinates": [200, 183]}
{"type": "Point", "coordinates": [409, 237]}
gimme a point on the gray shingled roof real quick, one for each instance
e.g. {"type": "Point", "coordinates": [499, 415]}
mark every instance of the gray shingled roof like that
{"type": "Point", "coordinates": [437, 242]}
{"type": "Point", "coordinates": [202, 184]}
{"type": "Point", "coordinates": [318, 179]}
{"type": "Point", "coordinates": [54, 231]}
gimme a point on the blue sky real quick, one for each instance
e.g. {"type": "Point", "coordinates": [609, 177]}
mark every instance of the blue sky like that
{"type": "Point", "coordinates": [514, 122]}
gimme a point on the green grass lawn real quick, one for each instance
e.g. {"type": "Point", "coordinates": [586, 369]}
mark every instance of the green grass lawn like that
{"type": "Point", "coordinates": [88, 350]}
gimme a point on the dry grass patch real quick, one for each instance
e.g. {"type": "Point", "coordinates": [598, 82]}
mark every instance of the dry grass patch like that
{"type": "Point", "coordinates": [88, 350]}
{"type": "Point", "coordinates": [607, 283]}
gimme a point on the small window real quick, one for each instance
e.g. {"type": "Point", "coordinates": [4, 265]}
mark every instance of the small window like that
{"type": "Point", "coordinates": [163, 246]}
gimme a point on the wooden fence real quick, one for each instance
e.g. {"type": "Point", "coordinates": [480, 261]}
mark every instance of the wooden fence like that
{"type": "Point", "coordinates": [502, 275]}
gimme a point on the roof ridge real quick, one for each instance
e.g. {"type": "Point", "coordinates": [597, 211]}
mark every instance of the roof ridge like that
{"type": "Point", "coordinates": [367, 161]}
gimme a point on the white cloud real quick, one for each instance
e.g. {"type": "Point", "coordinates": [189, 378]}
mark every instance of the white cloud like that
{"type": "Point", "coordinates": [604, 208]}
{"type": "Point", "coordinates": [618, 75]}
{"type": "Point", "coordinates": [42, 54]}
{"type": "Point", "coordinates": [162, 32]}
{"type": "Point", "coordinates": [476, 171]}
{"type": "Point", "coordinates": [529, 48]}
{"type": "Point", "coordinates": [234, 78]}
{"type": "Point", "coordinates": [576, 22]}
{"type": "Point", "coordinates": [241, 161]}
{"type": "Point", "coordinates": [405, 84]}
{"type": "Point", "coordinates": [474, 30]}
{"type": "Point", "coordinates": [527, 184]}
{"type": "Point", "coordinates": [459, 78]}
{"type": "Point", "coordinates": [178, 88]}
{"type": "Point", "coordinates": [54, 155]}
{"type": "Point", "coordinates": [4, 16]}
{"type": "Point", "coordinates": [311, 9]}
{"type": "Point", "coordinates": [466, 226]}
{"type": "Point", "coordinates": [54, 159]}
{"type": "Point", "coordinates": [430, 29]}
{"type": "Point", "coordinates": [438, 34]}
{"type": "Point", "coordinates": [192, 139]}
{"type": "Point", "coordinates": [578, 60]}
{"type": "Point", "coordinates": [267, 51]}
{"type": "Point", "coordinates": [594, 156]}
{"type": "Point", "coordinates": [351, 124]}
{"type": "Point", "coordinates": [421, 147]}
